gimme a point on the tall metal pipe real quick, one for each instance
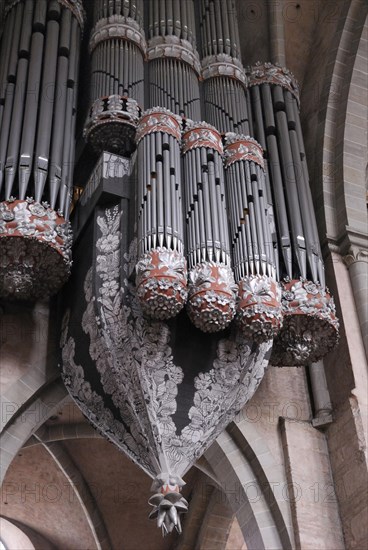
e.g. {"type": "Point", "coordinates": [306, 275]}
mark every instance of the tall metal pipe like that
{"type": "Point", "coordinates": [174, 66]}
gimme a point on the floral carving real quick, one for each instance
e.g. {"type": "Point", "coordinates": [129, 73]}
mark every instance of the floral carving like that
{"type": "Point", "coordinates": [211, 304]}
{"type": "Point", "coordinates": [201, 134]}
{"type": "Point", "coordinates": [159, 119]}
{"type": "Point", "coordinates": [239, 147]}
{"type": "Point", "coordinates": [35, 250]}
{"type": "Point", "coordinates": [259, 311]}
{"type": "Point", "coordinates": [268, 73]}
{"type": "Point", "coordinates": [162, 283]}
{"type": "Point", "coordinates": [310, 328]}
{"type": "Point", "coordinates": [136, 369]}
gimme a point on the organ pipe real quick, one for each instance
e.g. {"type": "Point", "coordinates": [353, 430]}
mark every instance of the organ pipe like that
{"type": "Point", "coordinates": [224, 90]}
{"type": "Point", "coordinates": [174, 65]}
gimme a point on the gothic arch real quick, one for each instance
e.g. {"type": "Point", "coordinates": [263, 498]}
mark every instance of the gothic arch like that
{"type": "Point", "coordinates": [247, 476]}
{"type": "Point", "coordinates": [28, 419]}
{"type": "Point", "coordinates": [336, 214]}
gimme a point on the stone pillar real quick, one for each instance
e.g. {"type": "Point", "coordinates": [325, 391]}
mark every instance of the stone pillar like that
{"type": "Point", "coordinates": [321, 396]}
{"type": "Point", "coordinates": [357, 263]}
{"type": "Point", "coordinates": [277, 31]}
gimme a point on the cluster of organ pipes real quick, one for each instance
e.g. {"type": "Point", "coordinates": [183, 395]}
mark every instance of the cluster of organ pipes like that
{"type": "Point", "coordinates": [125, 8]}
{"type": "Point", "coordinates": [174, 18]}
{"type": "Point", "coordinates": [253, 249]}
{"type": "Point", "coordinates": [38, 88]}
{"type": "Point", "coordinates": [236, 213]}
{"type": "Point", "coordinates": [159, 190]}
{"type": "Point", "coordinates": [39, 66]}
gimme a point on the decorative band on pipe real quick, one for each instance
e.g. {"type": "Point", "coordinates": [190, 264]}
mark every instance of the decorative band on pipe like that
{"type": "Point", "coordinates": [267, 73]}
{"type": "Point", "coordinates": [35, 250]}
{"type": "Point", "coordinates": [259, 311]}
{"type": "Point", "coordinates": [118, 27]}
{"type": "Point", "coordinates": [173, 47]}
{"type": "Point", "coordinates": [112, 123]}
{"type": "Point", "coordinates": [223, 65]}
{"type": "Point", "coordinates": [310, 328]}
{"type": "Point", "coordinates": [159, 119]}
{"type": "Point", "coordinates": [201, 134]}
{"type": "Point", "coordinates": [212, 295]}
{"type": "Point", "coordinates": [239, 147]}
{"type": "Point", "coordinates": [162, 283]}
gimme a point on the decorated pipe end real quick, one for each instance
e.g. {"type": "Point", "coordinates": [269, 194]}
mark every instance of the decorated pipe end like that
{"type": "Point", "coordinates": [168, 503]}
{"type": "Point", "coordinates": [212, 295]}
{"type": "Point", "coordinates": [162, 283]}
{"type": "Point", "coordinates": [259, 311]}
{"type": "Point", "coordinates": [111, 125]}
{"type": "Point", "coordinates": [35, 250]}
{"type": "Point", "coordinates": [310, 328]}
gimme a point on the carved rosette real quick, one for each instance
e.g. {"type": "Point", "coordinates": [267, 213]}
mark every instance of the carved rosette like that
{"type": "Point", "coordinates": [268, 73]}
{"type": "Point", "coordinates": [168, 503]}
{"type": "Point", "coordinates": [162, 283]}
{"type": "Point", "coordinates": [173, 47]}
{"type": "Point", "coordinates": [310, 328]}
{"type": "Point", "coordinates": [201, 134]}
{"type": "Point", "coordinates": [259, 311]}
{"type": "Point", "coordinates": [223, 65]}
{"type": "Point", "coordinates": [212, 296]}
{"type": "Point", "coordinates": [111, 125]}
{"type": "Point", "coordinates": [35, 250]}
{"type": "Point", "coordinates": [159, 119]}
{"type": "Point", "coordinates": [239, 147]}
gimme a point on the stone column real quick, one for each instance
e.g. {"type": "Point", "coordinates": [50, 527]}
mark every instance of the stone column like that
{"type": "Point", "coordinates": [357, 263]}
{"type": "Point", "coordinates": [277, 31]}
{"type": "Point", "coordinates": [321, 396]}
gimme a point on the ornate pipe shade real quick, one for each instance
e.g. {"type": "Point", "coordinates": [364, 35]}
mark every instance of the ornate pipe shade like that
{"type": "Point", "coordinates": [38, 99]}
